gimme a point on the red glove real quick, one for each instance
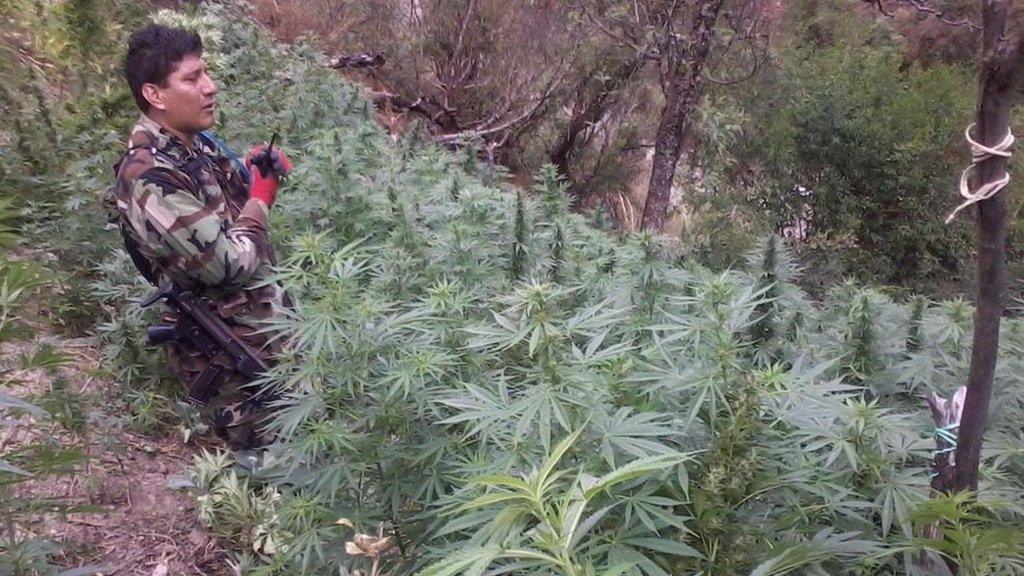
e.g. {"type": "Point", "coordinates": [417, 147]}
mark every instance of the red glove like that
{"type": "Point", "coordinates": [265, 170]}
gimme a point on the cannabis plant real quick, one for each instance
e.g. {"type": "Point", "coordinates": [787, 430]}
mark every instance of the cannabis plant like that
{"type": "Point", "coordinates": [477, 381]}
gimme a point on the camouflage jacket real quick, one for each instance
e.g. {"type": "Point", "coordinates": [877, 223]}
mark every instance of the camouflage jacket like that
{"type": "Point", "coordinates": [188, 213]}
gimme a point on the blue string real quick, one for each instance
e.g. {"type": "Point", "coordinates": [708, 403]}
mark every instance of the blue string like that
{"type": "Point", "coordinates": [948, 435]}
{"type": "Point", "coordinates": [218, 143]}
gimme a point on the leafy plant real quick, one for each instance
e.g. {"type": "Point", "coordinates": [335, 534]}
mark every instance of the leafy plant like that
{"type": "Point", "coordinates": [23, 548]}
{"type": "Point", "coordinates": [495, 386]}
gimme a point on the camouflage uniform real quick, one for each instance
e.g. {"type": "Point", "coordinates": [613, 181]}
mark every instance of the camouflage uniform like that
{"type": "Point", "coordinates": [191, 221]}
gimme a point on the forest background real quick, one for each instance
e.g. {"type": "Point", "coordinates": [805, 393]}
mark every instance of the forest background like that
{"type": "Point", "coordinates": [843, 111]}
{"type": "Point", "coordinates": [463, 229]}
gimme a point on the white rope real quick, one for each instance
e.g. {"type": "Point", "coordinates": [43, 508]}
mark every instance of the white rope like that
{"type": "Point", "coordinates": [979, 154]}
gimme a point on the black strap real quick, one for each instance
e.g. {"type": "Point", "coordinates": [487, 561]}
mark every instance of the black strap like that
{"type": "Point", "coordinates": [144, 266]}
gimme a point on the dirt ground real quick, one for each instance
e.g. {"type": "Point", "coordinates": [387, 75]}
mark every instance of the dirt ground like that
{"type": "Point", "coordinates": [137, 523]}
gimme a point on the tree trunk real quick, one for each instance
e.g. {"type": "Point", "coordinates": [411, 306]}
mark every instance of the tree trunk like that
{"type": "Point", "coordinates": [682, 95]}
{"type": "Point", "coordinates": [1000, 72]}
{"type": "Point", "coordinates": [586, 113]}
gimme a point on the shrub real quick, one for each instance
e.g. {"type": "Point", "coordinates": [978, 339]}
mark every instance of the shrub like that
{"type": "Point", "coordinates": [875, 141]}
{"type": "Point", "coordinates": [456, 404]}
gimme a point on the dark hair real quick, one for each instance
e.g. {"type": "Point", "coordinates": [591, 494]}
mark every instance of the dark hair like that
{"type": "Point", "coordinates": [154, 51]}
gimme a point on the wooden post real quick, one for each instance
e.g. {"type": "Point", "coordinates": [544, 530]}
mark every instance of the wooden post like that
{"type": "Point", "coordinates": [947, 415]}
{"type": "Point", "coordinates": [1000, 75]}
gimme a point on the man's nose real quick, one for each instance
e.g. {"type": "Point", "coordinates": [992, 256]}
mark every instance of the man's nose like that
{"type": "Point", "coordinates": [209, 86]}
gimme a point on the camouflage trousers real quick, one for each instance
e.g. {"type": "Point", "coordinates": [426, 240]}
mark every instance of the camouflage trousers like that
{"type": "Point", "coordinates": [234, 419]}
{"type": "Point", "coordinates": [229, 415]}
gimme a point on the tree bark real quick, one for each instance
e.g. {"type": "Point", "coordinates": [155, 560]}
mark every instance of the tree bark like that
{"type": "Point", "coordinates": [1000, 75]}
{"type": "Point", "coordinates": [682, 94]}
{"type": "Point", "coordinates": [586, 113]}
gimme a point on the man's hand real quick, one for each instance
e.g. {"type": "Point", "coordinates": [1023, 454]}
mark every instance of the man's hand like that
{"type": "Point", "coordinates": [266, 167]}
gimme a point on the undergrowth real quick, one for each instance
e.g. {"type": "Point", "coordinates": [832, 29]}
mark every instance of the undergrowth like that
{"type": "Point", "coordinates": [498, 387]}
{"type": "Point", "coordinates": [487, 384]}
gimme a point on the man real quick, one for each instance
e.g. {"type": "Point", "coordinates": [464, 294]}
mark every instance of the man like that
{"type": "Point", "coordinates": [190, 217]}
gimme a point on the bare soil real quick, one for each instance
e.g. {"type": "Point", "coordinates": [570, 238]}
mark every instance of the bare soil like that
{"type": "Point", "coordinates": [136, 524]}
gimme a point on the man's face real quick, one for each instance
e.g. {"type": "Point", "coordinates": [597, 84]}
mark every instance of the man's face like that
{"type": "Point", "coordinates": [187, 101]}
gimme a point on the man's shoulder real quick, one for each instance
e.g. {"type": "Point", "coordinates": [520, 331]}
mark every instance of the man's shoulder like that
{"type": "Point", "coordinates": [148, 156]}
{"type": "Point", "coordinates": [145, 164]}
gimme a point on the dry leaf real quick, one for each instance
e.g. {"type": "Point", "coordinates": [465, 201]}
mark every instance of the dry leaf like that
{"type": "Point", "coordinates": [345, 522]}
{"type": "Point", "coordinates": [372, 546]}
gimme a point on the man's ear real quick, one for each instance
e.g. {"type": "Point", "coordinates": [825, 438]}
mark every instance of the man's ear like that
{"type": "Point", "coordinates": [153, 95]}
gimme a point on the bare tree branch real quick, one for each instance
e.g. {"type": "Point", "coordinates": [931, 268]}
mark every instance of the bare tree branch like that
{"type": "Point", "coordinates": [621, 38]}
{"type": "Point", "coordinates": [922, 7]}
{"type": "Point", "coordinates": [524, 117]}
{"type": "Point", "coordinates": [470, 134]}
{"type": "Point", "coordinates": [434, 111]}
{"type": "Point", "coordinates": [462, 29]}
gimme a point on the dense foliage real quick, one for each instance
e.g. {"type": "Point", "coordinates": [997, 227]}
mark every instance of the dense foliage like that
{"type": "Point", "coordinates": [863, 108]}
{"type": "Point", "coordinates": [876, 139]}
{"type": "Point", "coordinates": [500, 387]}
{"type": "Point", "coordinates": [876, 146]}
{"type": "Point", "coordinates": [55, 158]}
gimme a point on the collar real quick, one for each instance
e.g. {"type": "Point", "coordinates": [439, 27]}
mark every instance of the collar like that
{"type": "Point", "coordinates": [159, 137]}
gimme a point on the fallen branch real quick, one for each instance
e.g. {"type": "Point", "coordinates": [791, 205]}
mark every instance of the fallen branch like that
{"type": "Point", "coordinates": [358, 61]}
{"type": "Point", "coordinates": [441, 115]}
{"type": "Point", "coordinates": [923, 8]}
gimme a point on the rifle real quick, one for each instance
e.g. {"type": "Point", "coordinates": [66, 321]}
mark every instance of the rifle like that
{"type": "Point", "coordinates": [199, 325]}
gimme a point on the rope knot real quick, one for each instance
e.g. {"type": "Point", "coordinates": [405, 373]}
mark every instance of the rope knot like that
{"type": "Point", "coordinates": [980, 153]}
